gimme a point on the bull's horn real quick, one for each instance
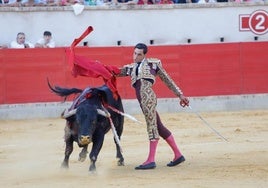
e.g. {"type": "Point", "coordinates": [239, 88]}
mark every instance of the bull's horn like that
{"type": "Point", "coordinates": [67, 113]}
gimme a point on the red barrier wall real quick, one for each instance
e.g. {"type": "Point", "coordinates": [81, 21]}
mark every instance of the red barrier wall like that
{"type": "Point", "coordinates": [200, 70]}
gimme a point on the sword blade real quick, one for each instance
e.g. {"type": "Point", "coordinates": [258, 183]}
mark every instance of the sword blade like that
{"type": "Point", "coordinates": [207, 124]}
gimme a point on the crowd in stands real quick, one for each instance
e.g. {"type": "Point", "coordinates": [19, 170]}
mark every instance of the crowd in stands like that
{"type": "Point", "coordinates": [45, 41]}
{"type": "Point", "coordinates": [107, 2]}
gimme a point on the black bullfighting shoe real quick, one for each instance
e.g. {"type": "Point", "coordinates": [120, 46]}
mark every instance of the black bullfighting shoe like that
{"type": "Point", "coordinates": [176, 162]}
{"type": "Point", "coordinates": [148, 166]}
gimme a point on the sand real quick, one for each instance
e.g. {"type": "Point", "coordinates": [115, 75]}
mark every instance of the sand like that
{"type": "Point", "coordinates": [31, 152]}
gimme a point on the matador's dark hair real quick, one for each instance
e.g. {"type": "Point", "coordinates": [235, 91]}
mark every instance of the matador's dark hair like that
{"type": "Point", "coordinates": [142, 46]}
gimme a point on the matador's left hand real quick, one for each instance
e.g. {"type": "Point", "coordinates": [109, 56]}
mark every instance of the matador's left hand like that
{"type": "Point", "coordinates": [184, 101]}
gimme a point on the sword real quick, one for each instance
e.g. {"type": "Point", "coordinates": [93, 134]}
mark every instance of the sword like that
{"type": "Point", "coordinates": [207, 124]}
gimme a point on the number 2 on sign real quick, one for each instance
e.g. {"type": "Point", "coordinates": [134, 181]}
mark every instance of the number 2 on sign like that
{"type": "Point", "coordinates": [258, 22]}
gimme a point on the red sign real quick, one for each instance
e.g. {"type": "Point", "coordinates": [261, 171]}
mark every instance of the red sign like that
{"type": "Point", "coordinates": [257, 22]}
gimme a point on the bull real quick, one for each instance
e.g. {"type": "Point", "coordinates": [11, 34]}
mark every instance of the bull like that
{"type": "Point", "coordinates": [85, 124]}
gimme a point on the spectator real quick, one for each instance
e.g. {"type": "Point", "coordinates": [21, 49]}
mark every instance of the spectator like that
{"type": "Point", "coordinates": [10, 3]}
{"type": "Point", "coordinates": [71, 2]}
{"type": "Point", "coordinates": [3, 2]}
{"type": "Point", "coordinates": [145, 2]}
{"type": "Point", "coordinates": [46, 41]}
{"type": "Point", "coordinates": [206, 1]}
{"type": "Point", "coordinates": [166, 2]}
{"type": "Point", "coordinates": [126, 2]}
{"type": "Point", "coordinates": [53, 2]}
{"type": "Point", "coordinates": [16, 3]}
{"type": "Point", "coordinates": [185, 1]}
{"type": "Point", "coordinates": [39, 2]}
{"type": "Point", "coordinates": [21, 42]}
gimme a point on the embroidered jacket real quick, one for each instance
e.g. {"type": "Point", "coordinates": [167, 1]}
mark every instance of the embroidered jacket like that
{"type": "Point", "coordinates": [148, 69]}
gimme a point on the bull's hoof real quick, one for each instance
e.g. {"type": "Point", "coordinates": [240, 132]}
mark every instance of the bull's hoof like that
{"type": "Point", "coordinates": [120, 163]}
{"type": "Point", "coordinates": [92, 168]}
{"type": "Point", "coordinates": [64, 165]}
{"type": "Point", "coordinates": [81, 159]}
{"type": "Point", "coordinates": [83, 154]}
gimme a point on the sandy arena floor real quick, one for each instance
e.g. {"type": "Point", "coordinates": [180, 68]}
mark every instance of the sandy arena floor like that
{"type": "Point", "coordinates": [31, 152]}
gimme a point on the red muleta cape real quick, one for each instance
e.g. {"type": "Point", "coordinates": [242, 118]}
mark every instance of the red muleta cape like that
{"type": "Point", "coordinates": [82, 66]}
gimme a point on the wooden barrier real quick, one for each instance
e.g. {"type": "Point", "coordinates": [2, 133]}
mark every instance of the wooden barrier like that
{"type": "Point", "coordinates": [200, 70]}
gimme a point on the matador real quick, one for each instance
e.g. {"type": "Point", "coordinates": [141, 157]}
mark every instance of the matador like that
{"type": "Point", "coordinates": [143, 73]}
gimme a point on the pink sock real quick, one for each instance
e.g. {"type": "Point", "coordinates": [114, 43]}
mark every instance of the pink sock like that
{"type": "Point", "coordinates": [171, 142]}
{"type": "Point", "coordinates": [152, 151]}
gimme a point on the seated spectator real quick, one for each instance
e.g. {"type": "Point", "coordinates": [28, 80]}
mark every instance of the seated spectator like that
{"type": "Point", "coordinates": [145, 2]}
{"type": "Point", "coordinates": [206, 1]}
{"type": "Point", "coordinates": [247, 1]}
{"type": "Point", "coordinates": [29, 3]}
{"type": "Point", "coordinates": [70, 2]}
{"type": "Point", "coordinates": [166, 2]}
{"type": "Point", "coordinates": [127, 2]}
{"type": "Point", "coordinates": [53, 2]}
{"type": "Point", "coordinates": [186, 1]}
{"type": "Point", "coordinates": [21, 42]}
{"type": "Point", "coordinates": [101, 2]}
{"type": "Point", "coordinates": [46, 41]}
{"type": "Point", "coordinates": [3, 2]}
{"type": "Point", "coordinates": [11, 3]}
{"type": "Point", "coordinates": [15, 3]}
{"type": "Point", "coordinates": [39, 2]}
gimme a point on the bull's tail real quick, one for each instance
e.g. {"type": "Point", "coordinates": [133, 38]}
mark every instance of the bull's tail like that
{"type": "Point", "coordinates": [63, 92]}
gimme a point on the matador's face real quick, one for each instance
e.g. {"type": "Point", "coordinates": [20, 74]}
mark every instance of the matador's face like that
{"type": "Point", "coordinates": [138, 55]}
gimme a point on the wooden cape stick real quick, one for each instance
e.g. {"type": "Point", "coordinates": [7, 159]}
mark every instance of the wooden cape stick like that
{"type": "Point", "coordinates": [124, 114]}
{"type": "Point", "coordinates": [105, 113]}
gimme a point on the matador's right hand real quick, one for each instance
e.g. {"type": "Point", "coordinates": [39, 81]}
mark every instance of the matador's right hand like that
{"type": "Point", "coordinates": [184, 101]}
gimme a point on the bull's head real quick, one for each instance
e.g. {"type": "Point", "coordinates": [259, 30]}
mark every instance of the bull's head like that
{"type": "Point", "coordinates": [86, 117]}
{"type": "Point", "coordinates": [87, 114]}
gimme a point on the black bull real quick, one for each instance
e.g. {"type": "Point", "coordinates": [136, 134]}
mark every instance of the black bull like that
{"type": "Point", "coordinates": [86, 125]}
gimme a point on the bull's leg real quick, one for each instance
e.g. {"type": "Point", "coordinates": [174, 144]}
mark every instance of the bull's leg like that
{"type": "Point", "coordinates": [97, 140]}
{"type": "Point", "coordinates": [92, 166]}
{"type": "Point", "coordinates": [119, 130]}
{"type": "Point", "coordinates": [119, 155]}
{"type": "Point", "coordinates": [68, 151]}
{"type": "Point", "coordinates": [68, 144]}
{"type": "Point", "coordinates": [83, 154]}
